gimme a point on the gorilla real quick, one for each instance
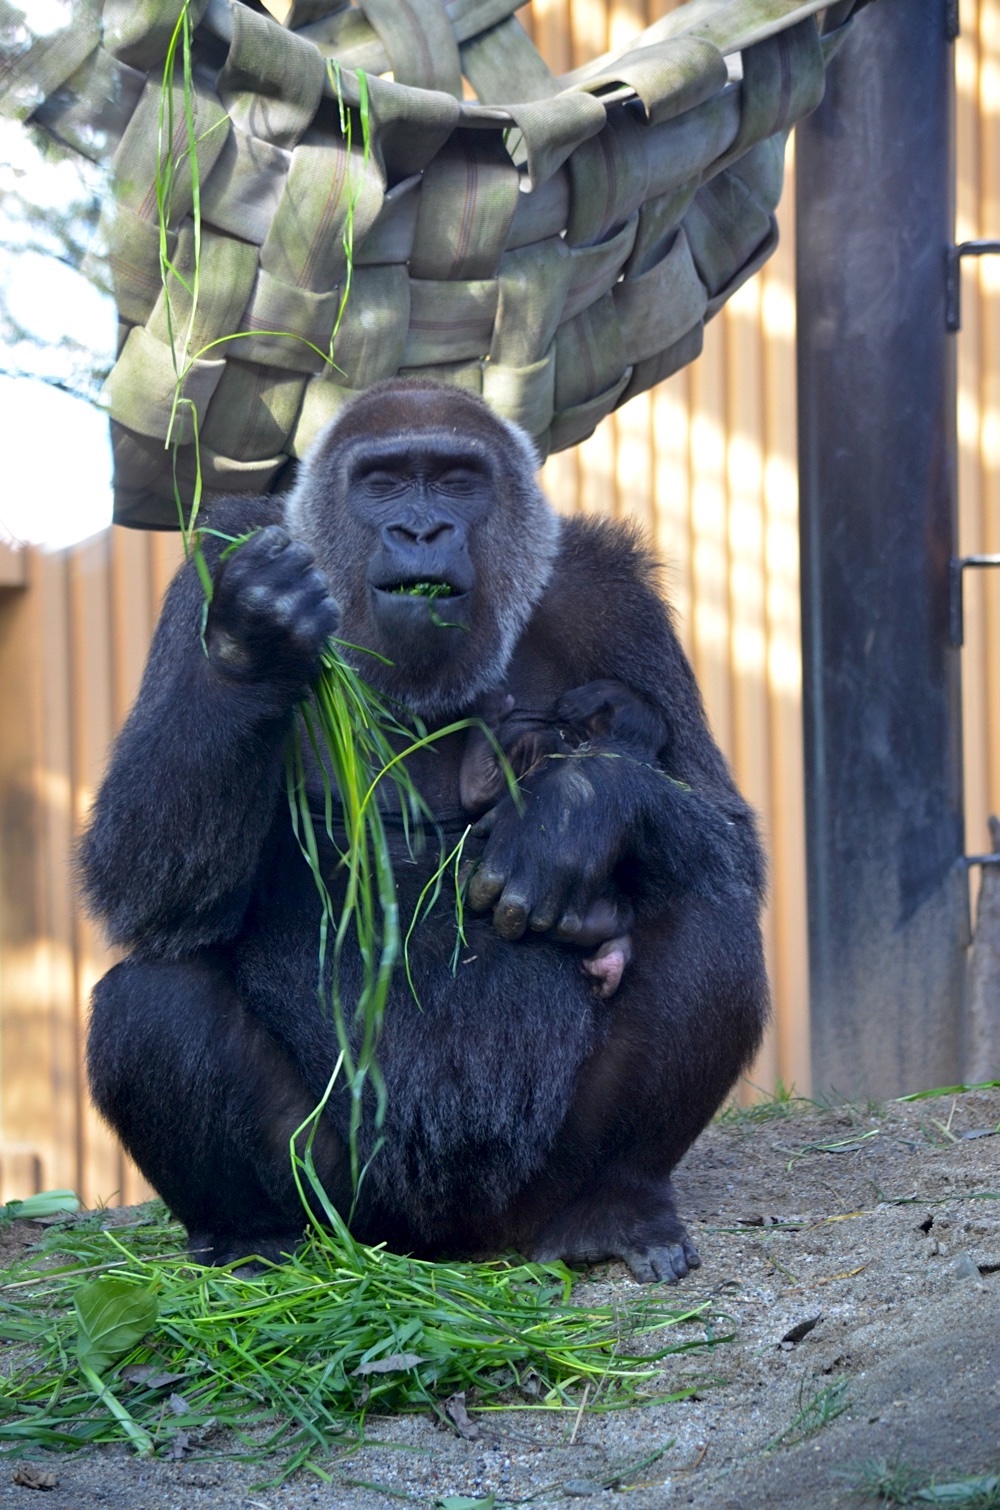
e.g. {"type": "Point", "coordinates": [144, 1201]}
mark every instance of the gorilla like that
{"type": "Point", "coordinates": [531, 1104]}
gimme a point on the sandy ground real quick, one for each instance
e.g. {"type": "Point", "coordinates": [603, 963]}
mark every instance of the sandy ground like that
{"type": "Point", "coordinates": [883, 1223]}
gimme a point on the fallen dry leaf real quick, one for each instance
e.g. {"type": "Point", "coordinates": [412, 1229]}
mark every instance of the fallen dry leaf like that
{"type": "Point", "coordinates": [30, 1477]}
{"type": "Point", "coordinates": [390, 1365]}
{"type": "Point", "coordinates": [455, 1410]}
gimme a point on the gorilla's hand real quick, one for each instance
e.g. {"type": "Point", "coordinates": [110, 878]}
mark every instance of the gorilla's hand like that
{"type": "Point", "coordinates": [544, 868]}
{"type": "Point", "coordinates": [271, 611]}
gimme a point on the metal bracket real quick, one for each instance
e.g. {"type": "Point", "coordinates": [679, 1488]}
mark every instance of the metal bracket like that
{"type": "Point", "coordinates": [952, 28]}
{"type": "Point", "coordinates": [965, 864]}
{"type": "Point", "coordinates": [956, 595]}
{"type": "Point", "coordinates": [953, 277]}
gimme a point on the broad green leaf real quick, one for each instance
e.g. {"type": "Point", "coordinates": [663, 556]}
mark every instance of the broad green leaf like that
{"type": "Point", "coordinates": [45, 1203]}
{"type": "Point", "coordinates": [112, 1316]}
{"type": "Point", "coordinates": [463, 1502]}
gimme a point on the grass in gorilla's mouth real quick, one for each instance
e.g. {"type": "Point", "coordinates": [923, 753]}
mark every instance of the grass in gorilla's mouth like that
{"type": "Point", "coordinates": [422, 590]}
{"type": "Point", "coordinates": [119, 1337]}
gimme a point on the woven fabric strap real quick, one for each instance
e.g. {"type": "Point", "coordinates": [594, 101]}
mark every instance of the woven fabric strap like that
{"type": "Point", "coordinates": [317, 203]}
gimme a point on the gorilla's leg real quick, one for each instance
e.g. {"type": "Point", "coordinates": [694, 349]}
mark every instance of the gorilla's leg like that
{"type": "Point", "coordinates": [205, 1101]}
{"type": "Point", "coordinates": [680, 1031]}
{"type": "Point", "coordinates": [628, 1218]}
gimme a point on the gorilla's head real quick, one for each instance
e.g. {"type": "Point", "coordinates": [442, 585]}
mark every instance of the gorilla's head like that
{"type": "Point", "coordinates": [423, 511]}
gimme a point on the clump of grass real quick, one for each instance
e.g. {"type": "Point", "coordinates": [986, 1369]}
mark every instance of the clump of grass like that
{"type": "Point", "coordinates": [949, 1090]}
{"type": "Point", "coordinates": [814, 1412]}
{"type": "Point", "coordinates": [292, 1361]}
{"type": "Point", "coordinates": [783, 1101]}
{"type": "Point", "coordinates": [351, 732]}
{"type": "Point", "coordinates": [900, 1484]}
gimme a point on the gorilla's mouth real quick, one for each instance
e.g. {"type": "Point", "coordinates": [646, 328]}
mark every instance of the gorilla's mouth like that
{"type": "Point", "coordinates": [412, 607]}
{"type": "Point", "coordinates": [432, 591]}
{"type": "Point", "coordinates": [421, 589]}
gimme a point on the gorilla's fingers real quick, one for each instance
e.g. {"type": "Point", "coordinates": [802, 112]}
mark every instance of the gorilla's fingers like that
{"type": "Point", "coordinates": [568, 927]}
{"type": "Point", "coordinates": [270, 542]}
{"type": "Point", "coordinates": [485, 887]}
{"type": "Point", "coordinates": [510, 918]}
{"type": "Point", "coordinates": [486, 824]}
{"type": "Point", "coordinates": [545, 913]}
{"type": "Point", "coordinates": [271, 611]}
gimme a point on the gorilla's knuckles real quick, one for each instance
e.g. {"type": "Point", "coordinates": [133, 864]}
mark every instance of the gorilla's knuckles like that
{"type": "Point", "coordinates": [271, 609]}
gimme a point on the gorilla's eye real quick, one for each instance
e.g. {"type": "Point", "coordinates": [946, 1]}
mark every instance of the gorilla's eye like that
{"type": "Point", "coordinates": [459, 480]}
{"type": "Point", "coordinates": [381, 482]}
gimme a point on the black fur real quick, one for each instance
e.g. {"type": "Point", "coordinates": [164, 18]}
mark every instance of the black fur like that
{"type": "Point", "coordinates": [523, 1109]}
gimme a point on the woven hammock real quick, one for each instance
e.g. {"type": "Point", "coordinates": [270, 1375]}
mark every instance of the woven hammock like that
{"type": "Point", "coordinates": [557, 255]}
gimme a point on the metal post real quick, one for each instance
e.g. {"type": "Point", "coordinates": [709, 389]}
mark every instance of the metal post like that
{"type": "Point", "coordinates": [888, 913]}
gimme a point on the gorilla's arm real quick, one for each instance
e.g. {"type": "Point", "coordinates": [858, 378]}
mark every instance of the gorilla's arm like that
{"type": "Point", "coordinates": [196, 774]}
{"type": "Point", "coordinates": [661, 828]}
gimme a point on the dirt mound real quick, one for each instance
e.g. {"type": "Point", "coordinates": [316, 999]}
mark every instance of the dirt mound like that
{"type": "Point", "coordinates": [856, 1255]}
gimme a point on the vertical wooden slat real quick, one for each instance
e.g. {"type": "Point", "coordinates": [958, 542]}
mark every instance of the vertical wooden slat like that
{"type": "Point", "coordinates": [132, 605]}
{"type": "Point", "coordinates": [588, 21]}
{"type": "Point", "coordinates": [670, 442]}
{"type": "Point", "coordinates": [632, 430]}
{"type": "Point", "coordinates": [744, 481]}
{"type": "Point", "coordinates": [166, 553]}
{"type": "Point", "coordinates": [549, 25]}
{"type": "Point", "coordinates": [133, 610]}
{"type": "Point", "coordinates": [790, 960]}
{"type": "Point", "coordinates": [625, 19]}
{"type": "Point", "coordinates": [39, 1127]}
{"type": "Point", "coordinates": [748, 638]}
{"type": "Point", "coordinates": [597, 471]}
{"type": "Point", "coordinates": [27, 1136]}
{"type": "Point", "coordinates": [57, 930]}
{"type": "Point", "coordinates": [709, 531]}
{"type": "Point", "coordinates": [94, 722]}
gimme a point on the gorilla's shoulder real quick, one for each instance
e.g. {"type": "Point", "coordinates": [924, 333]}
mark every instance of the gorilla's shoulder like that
{"type": "Point", "coordinates": [594, 552]}
{"type": "Point", "coordinates": [239, 513]}
{"type": "Point", "coordinates": [226, 518]}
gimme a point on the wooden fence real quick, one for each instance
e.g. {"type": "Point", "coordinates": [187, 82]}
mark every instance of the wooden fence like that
{"type": "Point", "coordinates": [706, 463]}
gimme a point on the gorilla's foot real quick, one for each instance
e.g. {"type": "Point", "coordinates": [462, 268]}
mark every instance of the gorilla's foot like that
{"type": "Point", "coordinates": [638, 1224]}
{"type": "Point", "coordinates": [669, 1263]}
{"type": "Point", "coordinates": [607, 966]}
{"type": "Point", "coordinates": [252, 1253]}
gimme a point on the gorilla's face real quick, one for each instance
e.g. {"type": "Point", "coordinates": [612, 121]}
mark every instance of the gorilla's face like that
{"type": "Point", "coordinates": [424, 506]}
{"type": "Point", "coordinates": [422, 509]}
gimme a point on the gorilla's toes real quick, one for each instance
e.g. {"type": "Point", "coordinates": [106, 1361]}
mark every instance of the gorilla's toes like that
{"type": "Point", "coordinates": [253, 1254]}
{"type": "Point", "coordinates": [668, 1264]}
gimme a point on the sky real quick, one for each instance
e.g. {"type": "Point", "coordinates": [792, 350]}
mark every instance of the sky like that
{"type": "Point", "coordinates": [57, 456]}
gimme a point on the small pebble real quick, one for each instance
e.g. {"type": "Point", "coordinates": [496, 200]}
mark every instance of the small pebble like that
{"type": "Point", "coordinates": [965, 1267]}
{"type": "Point", "coordinates": [580, 1487]}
